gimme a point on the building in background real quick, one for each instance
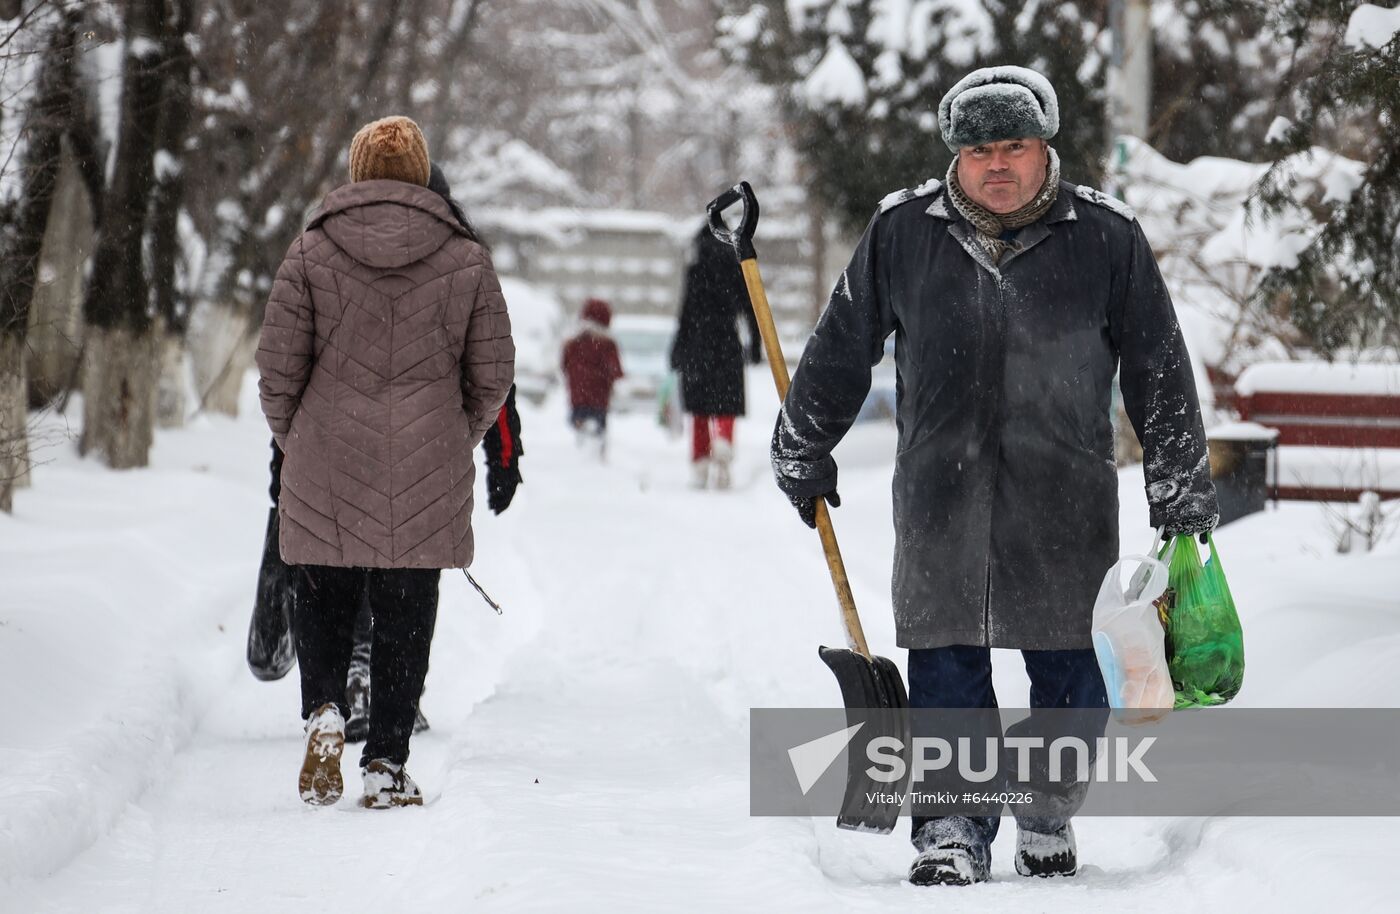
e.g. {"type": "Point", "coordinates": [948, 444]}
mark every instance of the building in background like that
{"type": "Point", "coordinates": [635, 259]}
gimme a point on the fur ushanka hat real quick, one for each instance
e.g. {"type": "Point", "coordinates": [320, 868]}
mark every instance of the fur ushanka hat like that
{"type": "Point", "coordinates": [998, 103]}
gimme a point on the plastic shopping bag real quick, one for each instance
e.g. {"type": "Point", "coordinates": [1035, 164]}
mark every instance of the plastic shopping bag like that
{"type": "Point", "coordinates": [1130, 642]}
{"type": "Point", "coordinates": [1205, 644]}
{"type": "Point", "coordinates": [670, 412]}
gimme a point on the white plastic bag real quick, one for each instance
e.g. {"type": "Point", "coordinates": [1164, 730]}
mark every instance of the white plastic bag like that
{"type": "Point", "coordinates": [1130, 642]}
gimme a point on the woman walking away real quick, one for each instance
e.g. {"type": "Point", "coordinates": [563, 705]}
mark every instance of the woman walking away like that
{"type": "Point", "coordinates": [709, 358]}
{"type": "Point", "coordinates": [384, 358]}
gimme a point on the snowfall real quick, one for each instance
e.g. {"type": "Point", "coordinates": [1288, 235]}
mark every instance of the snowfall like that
{"type": "Point", "coordinates": [589, 747]}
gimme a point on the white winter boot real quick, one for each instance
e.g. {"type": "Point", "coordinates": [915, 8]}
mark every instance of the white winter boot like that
{"type": "Point", "coordinates": [722, 453]}
{"type": "Point", "coordinates": [700, 473]}
{"type": "Point", "coordinates": [388, 785]}
{"type": "Point", "coordinates": [320, 783]}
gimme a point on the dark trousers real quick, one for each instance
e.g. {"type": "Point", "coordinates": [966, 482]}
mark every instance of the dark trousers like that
{"type": "Point", "coordinates": [404, 605]}
{"type": "Point", "coordinates": [580, 417]}
{"type": "Point", "coordinates": [960, 676]}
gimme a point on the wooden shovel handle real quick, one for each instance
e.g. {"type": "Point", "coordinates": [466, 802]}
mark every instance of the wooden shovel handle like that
{"type": "Point", "coordinates": [855, 635]}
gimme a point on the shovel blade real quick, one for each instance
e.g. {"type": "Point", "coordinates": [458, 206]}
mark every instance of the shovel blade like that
{"type": "Point", "coordinates": [873, 693]}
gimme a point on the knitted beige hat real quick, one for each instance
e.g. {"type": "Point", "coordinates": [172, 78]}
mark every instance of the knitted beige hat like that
{"type": "Point", "coordinates": [391, 148]}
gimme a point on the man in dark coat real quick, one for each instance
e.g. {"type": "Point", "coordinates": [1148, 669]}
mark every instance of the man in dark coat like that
{"type": "Point", "coordinates": [709, 357]}
{"type": "Point", "coordinates": [1014, 297]}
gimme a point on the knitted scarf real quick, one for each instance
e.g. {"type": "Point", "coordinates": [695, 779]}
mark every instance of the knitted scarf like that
{"type": "Point", "coordinates": [990, 225]}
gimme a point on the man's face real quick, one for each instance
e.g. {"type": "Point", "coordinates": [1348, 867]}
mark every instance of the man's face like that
{"type": "Point", "coordinates": [1003, 176]}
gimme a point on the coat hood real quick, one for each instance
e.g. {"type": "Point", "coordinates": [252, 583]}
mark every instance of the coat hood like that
{"type": "Point", "coordinates": [386, 223]}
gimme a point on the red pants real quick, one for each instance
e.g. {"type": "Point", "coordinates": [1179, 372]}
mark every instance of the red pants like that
{"type": "Point", "coordinates": [700, 441]}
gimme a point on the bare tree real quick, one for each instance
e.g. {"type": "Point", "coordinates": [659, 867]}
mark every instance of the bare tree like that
{"type": "Point", "coordinates": [288, 89]}
{"type": "Point", "coordinates": [169, 301]}
{"type": "Point", "coordinates": [22, 228]}
{"type": "Point", "coordinates": [119, 370]}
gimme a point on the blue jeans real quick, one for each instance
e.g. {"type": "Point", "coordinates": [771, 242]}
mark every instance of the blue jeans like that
{"type": "Point", "coordinates": [960, 676]}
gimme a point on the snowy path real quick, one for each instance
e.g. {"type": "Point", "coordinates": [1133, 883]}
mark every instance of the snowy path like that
{"type": "Point", "coordinates": [589, 747]}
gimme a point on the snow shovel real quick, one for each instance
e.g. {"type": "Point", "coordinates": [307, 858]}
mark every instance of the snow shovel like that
{"type": "Point", "coordinates": [871, 687]}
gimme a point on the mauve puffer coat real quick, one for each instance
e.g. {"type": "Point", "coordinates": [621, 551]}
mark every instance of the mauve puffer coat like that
{"type": "Point", "coordinates": [385, 357]}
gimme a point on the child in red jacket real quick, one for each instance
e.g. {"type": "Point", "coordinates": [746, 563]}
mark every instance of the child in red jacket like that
{"type": "Point", "coordinates": [591, 367]}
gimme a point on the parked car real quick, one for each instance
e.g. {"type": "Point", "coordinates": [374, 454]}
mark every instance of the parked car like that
{"type": "Point", "coordinates": [644, 342]}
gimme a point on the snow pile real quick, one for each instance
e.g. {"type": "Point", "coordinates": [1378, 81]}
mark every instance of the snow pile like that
{"type": "Point", "coordinates": [836, 80]}
{"type": "Point", "coordinates": [912, 27]}
{"type": "Point", "coordinates": [536, 323]}
{"type": "Point", "coordinates": [495, 166]}
{"type": "Point", "coordinates": [1214, 248]}
{"type": "Point", "coordinates": [1348, 378]}
{"type": "Point", "coordinates": [1372, 26]}
{"type": "Point", "coordinates": [897, 29]}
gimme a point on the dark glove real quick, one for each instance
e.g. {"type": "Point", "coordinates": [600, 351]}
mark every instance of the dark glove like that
{"type": "Point", "coordinates": [755, 353]}
{"type": "Point", "coordinates": [275, 488]}
{"type": "Point", "coordinates": [806, 506]}
{"type": "Point", "coordinates": [500, 487]}
{"type": "Point", "coordinates": [1191, 525]}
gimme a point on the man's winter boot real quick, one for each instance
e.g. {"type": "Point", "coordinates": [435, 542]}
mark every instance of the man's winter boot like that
{"type": "Point", "coordinates": [320, 783]}
{"type": "Point", "coordinates": [947, 857]}
{"type": "Point", "coordinates": [700, 473]}
{"type": "Point", "coordinates": [388, 785]}
{"type": "Point", "coordinates": [949, 864]}
{"type": "Point", "coordinates": [357, 698]}
{"type": "Point", "coordinates": [723, 455]}
{"type": "Point", "coordinates": [1041, 854]}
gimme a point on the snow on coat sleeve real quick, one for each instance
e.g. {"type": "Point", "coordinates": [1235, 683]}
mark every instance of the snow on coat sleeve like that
{"type": "Point", "coordinates": [833, 378]}
{"type": "Point", "coordinates": [488, 358]}
{"type": "Point", "coordinates": [1159, 393]}
{"type": "Point", "coordinates": [285, 346]}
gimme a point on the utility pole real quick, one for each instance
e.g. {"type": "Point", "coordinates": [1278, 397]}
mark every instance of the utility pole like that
{"type": "Point", "coordinates": [1129, 79]}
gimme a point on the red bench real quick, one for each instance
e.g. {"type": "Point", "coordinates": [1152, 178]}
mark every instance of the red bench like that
{"type": "Point", "coordinates": [1338, 426]}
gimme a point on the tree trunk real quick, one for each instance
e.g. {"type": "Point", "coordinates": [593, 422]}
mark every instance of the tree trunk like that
{"type": "Point", "coordinates": [23, 223]}
{"type": "Point", "coordinates": [219, 346]}
{"type": "Point", "coordinates": [119, 379]}
{"type": "Point", "coordinates": [120, 365]}
{"type": "Point", "coordinates": [171, 302]}
{"type": "Point", "coordinates": [173, 380]}
{"type": "Point", "coordinates": [56, 312]}
{"type": "Point", "coordinates": [14, 414]}
{"type": "Point", "coordinates": [227, 389]}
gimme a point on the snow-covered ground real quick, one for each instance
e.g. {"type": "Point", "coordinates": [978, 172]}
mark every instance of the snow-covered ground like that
{"type": "Point", "coordinates": [589, 747]}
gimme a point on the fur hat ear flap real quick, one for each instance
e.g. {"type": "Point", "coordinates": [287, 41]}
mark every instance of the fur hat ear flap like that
{"type": "Point", "coordinates": [998, 103]}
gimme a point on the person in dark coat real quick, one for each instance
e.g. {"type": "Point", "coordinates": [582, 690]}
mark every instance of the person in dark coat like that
{"type": "Point", "coordinates": [709, 357]}
{"type": "Point", "coordinates": [1014, 297]}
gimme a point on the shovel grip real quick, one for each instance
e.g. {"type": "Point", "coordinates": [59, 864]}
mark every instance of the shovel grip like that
{"type": "Point", "coordinates": [740, 239]}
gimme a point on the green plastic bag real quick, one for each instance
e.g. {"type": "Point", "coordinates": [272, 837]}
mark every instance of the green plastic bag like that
{"type": "Point", "coordinates": [1205, 644]}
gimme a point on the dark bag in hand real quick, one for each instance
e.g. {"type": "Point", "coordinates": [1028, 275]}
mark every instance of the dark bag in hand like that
{"type": "Point", "coordinates": [271, 652]}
